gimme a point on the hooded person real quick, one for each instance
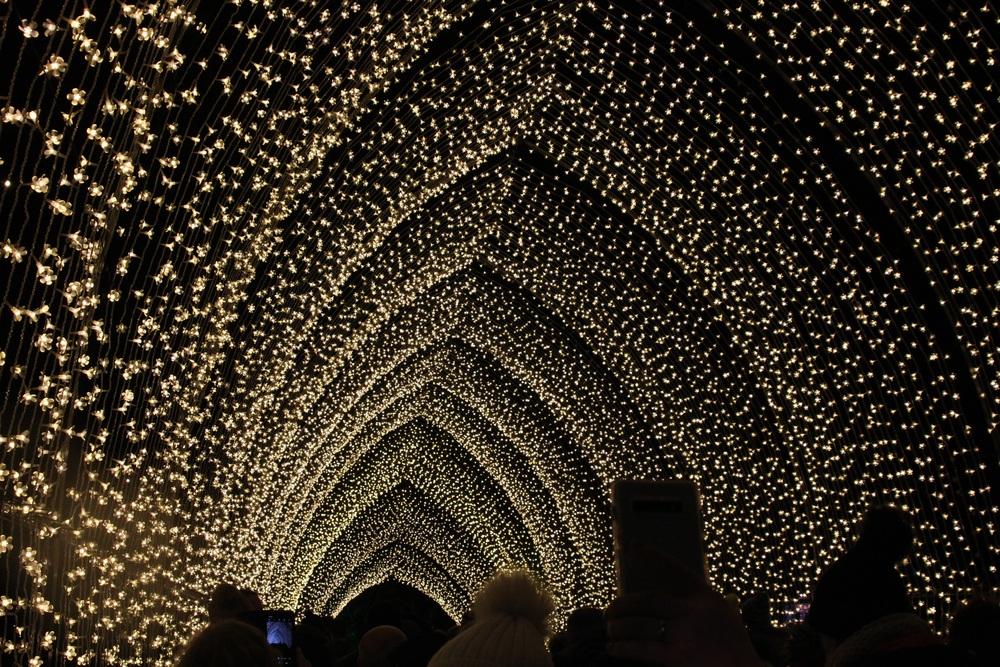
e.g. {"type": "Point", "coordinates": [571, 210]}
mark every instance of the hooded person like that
{"type": "Point", "coordinates": [511, 626]}
{"type": "Point", "coordinates": [861, 606]}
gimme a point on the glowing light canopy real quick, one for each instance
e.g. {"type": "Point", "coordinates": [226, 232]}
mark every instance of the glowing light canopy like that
{"type": "Point", "coordinates": [306, 296]}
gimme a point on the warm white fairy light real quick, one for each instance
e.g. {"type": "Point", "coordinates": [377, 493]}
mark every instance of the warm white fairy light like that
{"type": "Point", "coordinates": [309, 296]}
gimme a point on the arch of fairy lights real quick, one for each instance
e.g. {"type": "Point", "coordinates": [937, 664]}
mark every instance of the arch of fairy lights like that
{"type": "Point", "coordinates": [308, 295]}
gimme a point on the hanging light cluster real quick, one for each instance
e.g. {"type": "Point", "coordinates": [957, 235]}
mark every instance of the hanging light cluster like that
{"type": "Point", "coordinates": [306, 296]}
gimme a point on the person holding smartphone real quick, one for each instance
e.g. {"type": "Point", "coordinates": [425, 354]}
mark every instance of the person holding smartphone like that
{"type": "Point", "coordinates": [665, 612]}
{"type": "Point", "coordinates": [681, 622]}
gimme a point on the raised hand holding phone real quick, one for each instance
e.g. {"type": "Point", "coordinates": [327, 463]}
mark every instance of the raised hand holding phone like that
{"type": "Point", "coordinates": [666, 613]}
{"type": "Point", "coordinates": [665, 515]}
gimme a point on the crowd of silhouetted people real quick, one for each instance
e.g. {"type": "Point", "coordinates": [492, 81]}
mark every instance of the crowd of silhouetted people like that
{"type": "Point", "coordinates": [860, 615]}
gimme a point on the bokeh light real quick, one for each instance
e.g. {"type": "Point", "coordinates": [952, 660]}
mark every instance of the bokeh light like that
{"type": "Point", "coordinates": [308, 296]}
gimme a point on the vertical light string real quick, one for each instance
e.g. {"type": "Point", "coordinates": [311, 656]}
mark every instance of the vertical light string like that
{"type": "Point", "coordinates": [309, 296]}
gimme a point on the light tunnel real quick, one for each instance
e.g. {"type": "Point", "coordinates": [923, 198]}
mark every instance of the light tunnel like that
{"type": "Point", "coordinates": [311, 296]}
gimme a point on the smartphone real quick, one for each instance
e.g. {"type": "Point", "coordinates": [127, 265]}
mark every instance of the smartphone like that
{"type": "Point", "coordinates": [278, 625]}
{"type": "Point", "coordinates": [665, 515]}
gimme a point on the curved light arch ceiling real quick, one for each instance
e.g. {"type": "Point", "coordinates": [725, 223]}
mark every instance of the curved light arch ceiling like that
{"type": "Point", "coordinates": [506, 540]}
{"type": "Point", "coordinates": [408, 565]}
{"type": "Point", "coordinates": [561, 466]}
{"type": "Point", "coordinates": [281, 279]}
{"type": "Point", "coordinates": [513, 471]}
{"type": "Point", "coordinates": [410, 517]}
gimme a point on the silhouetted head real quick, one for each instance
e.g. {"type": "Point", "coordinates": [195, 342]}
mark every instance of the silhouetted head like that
{"type": "Point", "coordinates": [377, 644]}
{"type": "Point", "coordinates": [975, 628]}
{"type": "Point", "coordinates": [227, 602]}
{"type": "Point", "coordinates": [586, 625]}
{"type": "Point", "coordinates": [251, 596]}
{"type": "Point", "coordinates": [228, 643]}
{"type": "Point", "coordinates": [864, 585]}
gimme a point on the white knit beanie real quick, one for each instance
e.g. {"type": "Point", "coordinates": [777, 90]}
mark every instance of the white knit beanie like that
{"type": "Point", "coordinates": [510, 629]}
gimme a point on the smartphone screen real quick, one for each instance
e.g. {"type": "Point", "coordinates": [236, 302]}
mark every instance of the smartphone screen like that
{"type": "Point", "coordinates": [665, 515]}
{"type": "Point", "coordinates": [280, 626]}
